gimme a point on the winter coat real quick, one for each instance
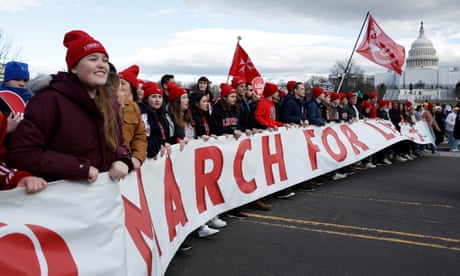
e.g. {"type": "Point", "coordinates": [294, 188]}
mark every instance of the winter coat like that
{"type": "Point", "coordinates": [202, 123]}
{"type": "Point", "coordinates": [224, 122]}
{"type": "Point", "coordinates": [382, 114]}
{"type": "Point", "coordinates": [265, 114]}
{"type": "Point", "coordinates": [155, 136]}
{"type": "Point", "coordinates": [134, 130]}
{"type": "Point", "coordinates": [314, 113]}
{"type": "Point", "coordinates": [246, 117]}
{"type": "Point", "coordinates": [62, 134]}
{"type": "Point", "coordinates": [344, 113]}
{"type": "Point", "coordinates": [9, 178]}
{"type": "Point", "coordinates": [293, 110]}
{"type": "Point", "coordinates": [395, 118]}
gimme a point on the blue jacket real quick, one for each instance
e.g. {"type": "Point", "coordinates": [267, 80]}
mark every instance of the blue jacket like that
{"type": "Point", "coordinates": [315, 116]}
{"type": "Point", "coordinates": [292, 110]}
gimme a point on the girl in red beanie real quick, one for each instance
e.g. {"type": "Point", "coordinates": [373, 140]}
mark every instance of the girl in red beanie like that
{"type": "Point", "coordinates": [71, 129]}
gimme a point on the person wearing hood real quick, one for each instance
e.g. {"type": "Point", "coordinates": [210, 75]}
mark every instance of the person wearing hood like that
{"type": "Point", "coordinates": [71, 129]}
{"type": "Point", "coordinates": [16, 78]}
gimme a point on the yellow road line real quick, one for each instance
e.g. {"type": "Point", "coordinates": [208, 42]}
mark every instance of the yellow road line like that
{"type": "Point", "coordinates": [433, 245]}
{"type": "Point", "coordinates": [341, 226]}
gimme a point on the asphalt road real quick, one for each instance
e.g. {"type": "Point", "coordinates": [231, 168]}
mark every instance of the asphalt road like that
{"type": "Point", "coordinates": [402, 219]}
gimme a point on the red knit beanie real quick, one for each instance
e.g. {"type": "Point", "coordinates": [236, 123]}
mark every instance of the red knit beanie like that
{"type": "Point", "coordinates": [237, 81]}
{"type": "Point", "coordinates": [366, 104]}
{"type": "Point", "coordinates": [317, 91]}
{"type": "Point", "coordinates": [174, 91]}
{"type": "Point", "coordinates": [373, 95]}
{"type": "Point", "coordinates": [130, 75]}
{"type": "Point", "coordinates": [408, 104]}
{"type": "Point", "coordinates": [335, 96]}
{"type": "Point", "coordinates": [351, 95]}
{"type": "Point", "coordinates": [80, 44]}
{"type": "Point", "coordinates": [290, 85]}
{"type": "Point", "coordinates": [270, 89]}
{"type": "Point", "coordinates": [226, 89]}
{"type": "Point", "coordinates": [151, 88]}
{"type": "Point", "coordinates": [382, 102]}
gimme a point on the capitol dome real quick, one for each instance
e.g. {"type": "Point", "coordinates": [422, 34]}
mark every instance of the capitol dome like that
{"type": "Point", "coordinates": [422, 53]}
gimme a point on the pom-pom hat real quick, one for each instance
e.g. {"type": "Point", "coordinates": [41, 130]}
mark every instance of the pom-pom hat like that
{"type": "Point", "coordinates": [290, 85]}
{"type": "Point", "coordinates": [226, 89]}
{"type": "Point", "coordinates": [317, 91]}
{"type": "Point", "coordinates": [237, 81]}
{"type": "Point", "coordinates": [80, 44]}
{"type": "Point", "coordinates": [174, 91]}
{"type": "Point", "coordinates": [130, 75]}
{"type": "Point", "coordinates": [351, 95]}
{"type": "Point", "coordinates": [270, 89]}
{"type": "Point", "coordinates": [335, 96]}
{"type": "Point", "coordinates": [151, 88]}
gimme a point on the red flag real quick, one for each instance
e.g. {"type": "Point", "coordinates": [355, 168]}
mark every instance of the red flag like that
{"type": "Point", "coordinates": [378, 47]}
{"type": "Point", "coordinates": [242, 65]}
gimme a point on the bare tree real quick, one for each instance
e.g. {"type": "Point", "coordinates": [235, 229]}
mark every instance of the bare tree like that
{"type": "Point", "coordinates": [7, 51]}
{"type": "Point", "coordinates": [353, 76]}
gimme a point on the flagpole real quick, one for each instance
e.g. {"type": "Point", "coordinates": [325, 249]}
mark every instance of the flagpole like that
{"type": "Point", "coordinates": [352, 52]}
{"type": "Point", "coordinates": [238, 38]}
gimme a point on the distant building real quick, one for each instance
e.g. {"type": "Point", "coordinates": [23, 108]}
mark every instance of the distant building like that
{"type": "Point", "coordinates": [423, 79]}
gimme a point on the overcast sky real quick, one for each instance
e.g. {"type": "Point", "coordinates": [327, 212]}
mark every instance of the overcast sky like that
{"type": "Point", "coordinates": [290, 39]}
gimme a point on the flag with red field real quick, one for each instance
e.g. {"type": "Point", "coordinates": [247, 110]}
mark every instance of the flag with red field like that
{"type": "Point", "coordinates": [378, 47]}
{"type": "Point", "coordinates": [242, 65]}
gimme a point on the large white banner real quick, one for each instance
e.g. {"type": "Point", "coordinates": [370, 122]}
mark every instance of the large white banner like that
{"type": "Point", "coordinates": [135, 227]}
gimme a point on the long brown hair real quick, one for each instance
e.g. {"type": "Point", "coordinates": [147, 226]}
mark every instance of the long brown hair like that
{"type": "Point", "coordinates": [178, 116]}
{"type": "Point", "coordinates": [104, 101]}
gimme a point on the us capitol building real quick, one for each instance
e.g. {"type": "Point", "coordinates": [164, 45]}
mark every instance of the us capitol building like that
{"type": "Point", "coordinates": [422, 79]}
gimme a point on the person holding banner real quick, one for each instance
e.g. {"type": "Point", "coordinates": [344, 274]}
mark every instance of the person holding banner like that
{"type": "Point", "coordinates": [314, 113]}
{"type": "Point", "coordinates": [71, 129]}
{"type": "Point", "coordinates": [184, 130]}
{"type": "Point", "coordinates": [11, 178]}
{"type": "Point", "coordinates": [16, 77]}
{"type": "Point", "coordinates": [246, 117]}
{"type": "Point", "coordinates": [152, 113]}
{"type": "Point", "coordinates": [265, 115]}
{"type": "Point", "coordinates": [225, 119]}
{"type": "Point", "coordinates": [427, 115]}
{"type": "Point", "coordinates": [132, 125]}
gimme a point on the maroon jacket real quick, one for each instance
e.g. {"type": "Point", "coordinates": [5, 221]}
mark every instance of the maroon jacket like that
{"type": "Point", "coordinates": [62, 134]}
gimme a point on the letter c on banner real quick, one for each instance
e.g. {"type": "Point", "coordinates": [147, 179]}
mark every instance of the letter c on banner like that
{"type": "Point", "coordinates": [34, 250]}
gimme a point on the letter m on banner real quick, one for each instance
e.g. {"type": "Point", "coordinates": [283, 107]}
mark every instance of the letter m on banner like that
{"type": "Point", "coordinates": [378, 47]}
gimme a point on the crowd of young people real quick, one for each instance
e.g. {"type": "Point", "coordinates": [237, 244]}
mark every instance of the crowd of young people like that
{"type": "Point", "coordinates": [94, 119]}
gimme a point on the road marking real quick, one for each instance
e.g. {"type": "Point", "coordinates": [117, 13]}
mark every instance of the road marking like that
{"type": "Point", "coordinates": [402, 202]}
{"type": "Point", "coordinates": [398, 239]}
